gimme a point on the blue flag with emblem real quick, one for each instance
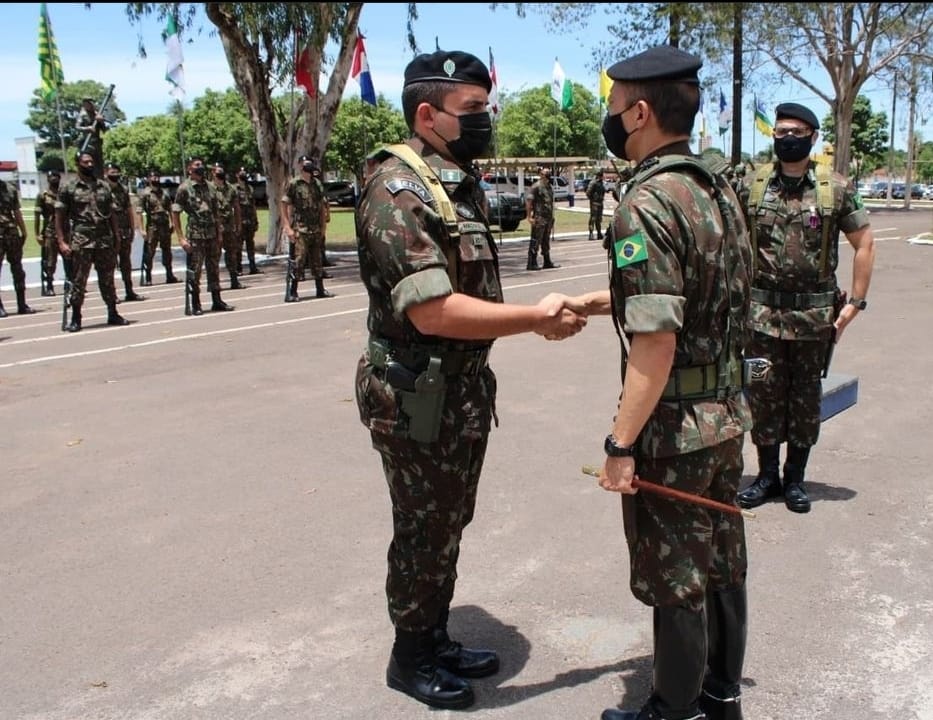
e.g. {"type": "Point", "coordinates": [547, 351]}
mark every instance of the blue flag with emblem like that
{"type": "Point", "coordinates": [630, 250]}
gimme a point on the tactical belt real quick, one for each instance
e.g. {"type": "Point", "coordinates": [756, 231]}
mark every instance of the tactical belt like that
{"type": "Point", "coordinates": [793, 301]}
{"type": "Point", "coordinates": [415, 357]}
{"type": "Point", "coordinates": [699, 382]}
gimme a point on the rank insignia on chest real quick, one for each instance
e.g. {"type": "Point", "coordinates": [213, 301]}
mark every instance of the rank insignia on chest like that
{"type": "Point", "coordinates": [396, 185]}
{"type": "Point", "coordinates": [630, 250]}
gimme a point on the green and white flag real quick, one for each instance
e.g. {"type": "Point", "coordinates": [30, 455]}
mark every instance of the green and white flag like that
{"type": "Point", "coordinates": [174, 69]}
{"type": "Point", "coordinates": [561, 89]}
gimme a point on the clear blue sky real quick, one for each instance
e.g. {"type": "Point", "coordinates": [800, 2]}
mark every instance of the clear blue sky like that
{"type": "Point", "coordinates": [100, 44]}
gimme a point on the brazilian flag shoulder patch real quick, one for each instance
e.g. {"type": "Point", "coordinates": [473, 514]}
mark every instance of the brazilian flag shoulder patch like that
{"type": "Point", "coordinates": [630, 250]}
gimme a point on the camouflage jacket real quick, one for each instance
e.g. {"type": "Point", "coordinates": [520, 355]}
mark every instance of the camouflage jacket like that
{"type": "Point", "coordinates": [45, 209]}
{"type": "Point", "coordinates": [307, 201]}
{"type": "Point", "coordinates": [199, 201]}
{"type": "Point", "coordinates": [676, 265]}
{"type": "Point", "coordinates": [789, 237]}
{"type": "Point", "coordinates": [122, 206]}
{"type": "Point", "coordinates": [408, 256]}
{"type": "Point", "coordinates": [541, 195]}
{"type": "Point", "coordinates": [227, 206]}
{"type": "Point", "coordinates": [596, 191]}
{"type": "Point", "coordinates": [247, 204]}
{"type": "Point", "coordinates": [88, 206]}
{"type": "Point", "coordinates": [9, 204]}
{"type": "Point", "coordinates": [155, 203]}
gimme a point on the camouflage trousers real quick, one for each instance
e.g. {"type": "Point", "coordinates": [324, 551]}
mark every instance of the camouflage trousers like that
{"type": "Point", "coordinates": [248, 236]}
{"type": "Point", "coordinates": [432, 487]}
{"type": "Point", "coordinates": [158, 236]}
{"type": "Point", "coordinates": [125, 257]}
{"type": "Point", "coordinates": [541, 237]}
{"type": "Point", "coordinates": [11, 250]}
{"type": "Point", "coordinates": [232, 244]}
{"type": "Point", "coordinates": [104, 260]}
{"type": "Point", "coordinates": [204, 253]}
{"type": "Point", "coordinates": [596, 218]}
{"type": "Point", "coordinates": [308, 246]}
{"type": "Point", "coordinates": [50, 252]}
{"type": "Point", "coordinates": [678, 550]}
{"type": "Point", "coordinates": [786, 407]}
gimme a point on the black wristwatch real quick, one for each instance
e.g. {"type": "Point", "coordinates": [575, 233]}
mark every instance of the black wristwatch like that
{"type": "Point", "coordinates": [860, 303]}
{"type": "Point", "coordinates": [613, 449]}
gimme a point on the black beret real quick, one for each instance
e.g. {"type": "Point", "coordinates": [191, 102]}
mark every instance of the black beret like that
{"type": "Point", "coordinates": [444, 66]}
{"type": "Point", "coordinates": [305, 158]}
{"type": "Point", "coordinates": [797, 112]}
{"type": "Point", "coordinates": [54, 173]}
{"type": "Point", "coordinates": [664, 62]}
{"type": "Point", "coordinates": [111, 166]}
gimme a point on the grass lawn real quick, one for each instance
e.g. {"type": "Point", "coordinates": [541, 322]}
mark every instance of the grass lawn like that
{"type": "Point", "coordinates": [341, 231]}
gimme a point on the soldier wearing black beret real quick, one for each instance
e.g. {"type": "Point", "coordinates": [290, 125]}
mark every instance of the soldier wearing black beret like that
{"type": "Point", "coordinates": [676, 301]}
{"type": "Point", "coordinates": [430, 267]}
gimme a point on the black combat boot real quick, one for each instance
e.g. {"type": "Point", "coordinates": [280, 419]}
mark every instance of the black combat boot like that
{"type": "Point", "coordinates": [292, 295]}
{"type": "Point", "coordinates": [548, 265]}
{"type": "Point", "coordinates": [253, 268]}
{"type": "Point", "coordinates": [727, 629]}
{"type": "Point", "coordinates": [21, 307]}
{"type": "Point", "coordinates": [3, 312]}
{"type": "Point", "coordinates": [115, 318]}
{"type": "Point", "coordinates": [319, 290]}
{"type": "Point", "coordinates": [235, 283]}
{"type": "Point", "coordinates": [219, 305]}
{"type": "Point", "coordinates": [75, 324]}
{"type": "Point", "coordinates": [196, 304]}
{"type": "Point", "coordinates": [795, 497]}
{"type": "Point", "coordinates": [169, 277]}
{"type": "Point", "coordinates": [680, 639]}
{"type": "Point", "coordinates": [49, 289]}
{"type": "Point", "coordinates": [768, 482]}
{"type": "Point", "coordinates": [413, 669]}
{"type": "Point", "coordinates": [532, 256]}
{"type": "Point", "coordinates": [463, 661]}
{"type": "Point", "coordinates": [132, 296]}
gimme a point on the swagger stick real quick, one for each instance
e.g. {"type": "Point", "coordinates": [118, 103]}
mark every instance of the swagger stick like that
{"type": "Point", "coordinates": [678, 494]}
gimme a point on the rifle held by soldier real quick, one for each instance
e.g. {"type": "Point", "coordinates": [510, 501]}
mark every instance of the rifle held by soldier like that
{"type": "Point", "coordinates": [66, 291]}
{"type": "Point", "coordinates": [99, 123]}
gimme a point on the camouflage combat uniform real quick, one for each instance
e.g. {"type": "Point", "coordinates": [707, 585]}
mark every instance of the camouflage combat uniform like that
{"type": "Point", "coordinates": [680, 263]}
{"type": "Point", "coordinates": [123, 211]}
{"type": "Point", "coordinates": [407, 256]}
{"type": "Point", "coordinates": [45, 213]}
{"type": "Point", "coordinates": [794, 301]}
{"type": "Point", "coordinates": [12, 240]}
{"type": "Point", "coordinates": [88, 207]}
{"type": "Point", "coordinates": [156, 205]}
{"type": "Point", "coordinates": [307, 201]}
{"type": "Point", "coordinates": [596, 194]}
{"type": "Point", "coordinates": [228, 211]}
{"type": "Point", "coordinates": [198, 200]}
{"type": "Point", "coordinates": [541, 197]}
{"type": "Point", "coordinates": [249, 223]}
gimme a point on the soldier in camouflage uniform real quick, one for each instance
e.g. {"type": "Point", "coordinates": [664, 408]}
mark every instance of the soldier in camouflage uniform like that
{"type": "Point", "coordinates": [85, 212]}
{"type": "Point", "coordinates": [596, 194]}
{"type": "Point", "coordinates": [228, 209]}
{"type": "Point", "coordinates": [249, 223]}
{"type": "Point", "coordinates": [45, 231]}
{"type": "Point", "coordinates": [798, 311]}
{"type": "Point", "coordinates": [12, 240]}
{"type": "Point", "coordinates": [123, 211]}
{"type": "Point", "coordinates": [304, 216]}
{"type": "Point", "coordinates": [680, 271]}
{"type": "Point", "coordinates": [539, 206]}
{"type": "Point", "coordinates": [203, 237]}
{"type": "Point", "coordinates": [423, 386]}
{"type": "Point", "coordinates": [156, 205]}
{"type": "Point", "coordinates": [91, 125]}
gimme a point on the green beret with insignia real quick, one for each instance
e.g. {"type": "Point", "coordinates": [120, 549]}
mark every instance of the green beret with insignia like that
{"type": "Point", "coordinates": [448, 66]}
{"type": "Point", "coordinates": [664, 62]}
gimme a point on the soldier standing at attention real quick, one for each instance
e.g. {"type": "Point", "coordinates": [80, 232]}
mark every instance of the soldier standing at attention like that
{"type": "Point", "coordinates": [156, 205]}
{"type": "Point", "coordinates": [596, 193]}
{"type": "Point", "coordinates": [85, 211]}
{"type": "Point", "coordinates": [204, 237]}
{"type": "Point", "coordinates": [228, 209]}
{"type": "Point", "coordinates": [249, 223]}
{"type": "Point", "coordinates": [304, 213]}
{"type": "Point", "coordinates": [796, 210]}
{"type": "Point", "coordinates": [423, 386]}
{"type": "Point", "coordinates": [12, 240]}
{"type": "Point", "coordinates": [123, 211]}
{"type": "Point", "coordinates": [540, 209]}
{"type": "Point", "coordinates": [45, 231]}
{"type": "Point", "coordinates": [680, 272]}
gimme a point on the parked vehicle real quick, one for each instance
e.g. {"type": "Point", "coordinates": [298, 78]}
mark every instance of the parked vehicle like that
{"type": "Point", "coordinates": [581, 184]}
{"type": "Point", "coordinates": [340, 192]}
{"type": "Point", "coordinates": [561, 188]}
{"type": "Point", "coordinates": [506, 209]}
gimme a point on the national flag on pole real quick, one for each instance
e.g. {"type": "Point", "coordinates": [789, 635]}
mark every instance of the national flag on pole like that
{"type": "Point", "coordinates": [359, 71]}
{"type": "Point", "coordinates": [494, 92]}
{"type": "Point", "coordinates": [302, 69]}
{"type": "Point", "coordinates": [50, 65]}
{"type": "Point", "coordinates": [761, 119]}
{"type": "Point", "coordinates": [605, 85]}
{"type": "Point", "coordinates": [725, 114]}
{"type": "Point", "coordinates": [174, 68]}
{"type": "Point", "coordinates": [561, 89]}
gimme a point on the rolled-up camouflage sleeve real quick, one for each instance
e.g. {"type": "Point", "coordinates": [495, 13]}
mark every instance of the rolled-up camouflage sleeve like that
{"type": "Point", "coordinates": [852, 213]}
{"type": "Point", "coordinates": [646, 262]}
{"type": "Point", "coordinates": [405, 236]}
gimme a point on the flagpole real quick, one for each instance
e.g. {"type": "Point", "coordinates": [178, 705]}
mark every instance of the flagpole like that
{"type": "Point", "coordinates": [61, 132]}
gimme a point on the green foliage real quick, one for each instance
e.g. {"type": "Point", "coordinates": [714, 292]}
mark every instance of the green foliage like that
{"type": "Point", "coordinates": [868, 149]}
{"type": "Point", "coordinates": [218, 129]}
{"type": "Point", "coordinates": [43, 118]}
{"type": "Point", "coordinates": [358, 129]}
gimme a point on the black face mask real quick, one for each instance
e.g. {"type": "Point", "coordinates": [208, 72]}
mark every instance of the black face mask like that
{"type": "Point", "coordinates": [198, 171]}
{"type": "Point", "coordinates": [86, 170]}
{"type": "Point", "coordinates": [308, 167]}
{"type": "Point", "coordinates": [113, 178]}
{"type": "Point", "coordinates": [220, 175]}
{"type": "Point", "coordinates": [475, 134]}
{"type": "Point", "coordinates": [792, 149]}
{"type": "Point", "coordinates": [615, 134]}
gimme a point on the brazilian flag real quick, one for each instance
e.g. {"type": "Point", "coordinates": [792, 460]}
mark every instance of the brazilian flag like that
{"type": "Point", "coordinates": [630, 250]}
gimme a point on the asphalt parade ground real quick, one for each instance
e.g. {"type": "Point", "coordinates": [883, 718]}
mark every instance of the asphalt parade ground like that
{"type": "Point", "coordinates": [193, 525]}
